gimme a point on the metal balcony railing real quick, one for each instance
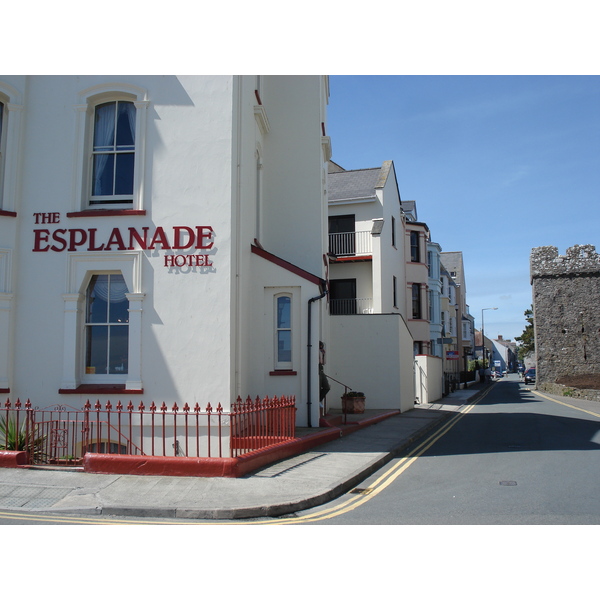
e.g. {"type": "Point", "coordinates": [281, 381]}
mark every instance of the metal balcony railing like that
{"type": "Point", "coordinates": [354, 243]}
{"type": "Point", "coordinates": [351, 306]}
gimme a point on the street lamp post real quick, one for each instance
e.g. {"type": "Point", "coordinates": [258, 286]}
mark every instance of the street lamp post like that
{"type": "Point", "coordinates": [483, 335]}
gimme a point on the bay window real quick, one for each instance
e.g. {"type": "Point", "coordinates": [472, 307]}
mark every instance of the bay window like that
{"type": "Point", "coordinates": [416, 301]}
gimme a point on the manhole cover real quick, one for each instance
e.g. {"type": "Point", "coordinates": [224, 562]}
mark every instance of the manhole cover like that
{"type": "Point", "coordinates": [508, 483]}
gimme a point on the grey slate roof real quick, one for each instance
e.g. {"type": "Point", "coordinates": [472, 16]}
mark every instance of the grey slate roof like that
{"type": "Point", "coordinates": [410, 208]}
{"type": "Point", "coordinates": [353, 185]}
{"type": "Point", "coordinates": [452, 260]}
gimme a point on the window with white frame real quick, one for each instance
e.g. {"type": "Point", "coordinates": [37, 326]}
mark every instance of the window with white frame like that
{"type": "Point", "coordinates": [10, 118]}
{"type": "Point", "coordinates": [431, 307]}
{"type": "Point", "coordinates": [2, 144]}
{"type": "Point", "coordinates": [111, 132]}
{"type": "Point", "coordinates": [6, 302]}
{"type": "Point", "coordinates": [113, 153]}
{"type": "Point", "coordinates": [91, 302]}
{"type": "Point", "coordinates": [107, 327]}
{"type": "Point", "coordinates": [452, 328]}
{"type": "Point", "coordinates": [466, 330]}
{"type": "Point", "coordinates": [416, 301]}
{"type": "Point", "coordinates": [11, 107]}
{"type": "Point", "coordinates": [415, 249]}
{"type": "Point", "coordinates": [283, 332]}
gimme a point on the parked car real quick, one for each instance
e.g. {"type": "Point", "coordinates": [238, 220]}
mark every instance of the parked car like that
{"type": "Point", "coordinates": [529, 376]}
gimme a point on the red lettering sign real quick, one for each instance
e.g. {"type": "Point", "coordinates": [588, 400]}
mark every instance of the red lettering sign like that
{"type": "Point", "coordinates": [187, 260]}
{"type": "Point", "coordinates": [180, 237]}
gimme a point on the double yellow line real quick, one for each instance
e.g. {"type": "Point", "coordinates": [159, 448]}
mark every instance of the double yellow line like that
{"type": "Point", "coordinates": [362, 497]}
{"type": "Point", "coordinates": [589, 412]}
{"type": "Point", "coordinates": [385, 479]}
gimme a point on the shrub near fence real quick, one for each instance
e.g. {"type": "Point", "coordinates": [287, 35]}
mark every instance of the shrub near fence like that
{"type": "Point", "coordinates": [63, 434]}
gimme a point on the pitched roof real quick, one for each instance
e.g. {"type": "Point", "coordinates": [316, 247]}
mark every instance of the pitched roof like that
{"type": "Point", "coordinates": [410, 208]}
{"type": "Point", "coordinates": [353, 185]}
{"type": "Point", "coordinates": [453, 261]}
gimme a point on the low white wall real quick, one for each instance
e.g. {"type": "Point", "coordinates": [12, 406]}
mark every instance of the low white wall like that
{"type": "Point", "coordinates": [371, 354]}
{"type": "Point", "coordinates": [429, 378]}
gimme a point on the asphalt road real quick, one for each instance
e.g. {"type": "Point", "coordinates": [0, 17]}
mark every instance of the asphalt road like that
{"type": "Point", "coordinates": [515, 457]}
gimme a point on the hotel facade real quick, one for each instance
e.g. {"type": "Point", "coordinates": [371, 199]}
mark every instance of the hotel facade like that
{"type": "Point", "coordinates": [163, 239]}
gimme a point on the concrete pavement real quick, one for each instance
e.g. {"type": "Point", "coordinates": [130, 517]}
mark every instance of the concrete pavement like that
{"type": "Point", "coordinates": [297, 483]}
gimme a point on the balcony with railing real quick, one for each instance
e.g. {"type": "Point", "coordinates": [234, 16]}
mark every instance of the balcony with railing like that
{"type": "Point", "coordinates": [351, 306]}
{"type": "Point", "coordinates": [351, 244]}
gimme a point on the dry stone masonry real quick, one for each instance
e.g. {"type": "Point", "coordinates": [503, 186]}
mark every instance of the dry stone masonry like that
{"type": "Point", "coordinates": [566, 299]}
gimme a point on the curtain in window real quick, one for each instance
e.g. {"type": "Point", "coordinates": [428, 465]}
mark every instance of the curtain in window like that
{"type": "Point", "coordinates": [114, 143]}
{"type": "Point", "coordinates": [118, 289]}
{"type": "Point", "coordinates": [130, 111]}
{"type": "Point", "coordinates": [104, 135]}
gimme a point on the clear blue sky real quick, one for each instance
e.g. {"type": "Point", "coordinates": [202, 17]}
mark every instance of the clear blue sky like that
{"type": "Point", "coordinates": [498, 165]}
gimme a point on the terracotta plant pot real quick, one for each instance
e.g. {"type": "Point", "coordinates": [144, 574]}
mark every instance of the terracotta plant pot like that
{"type": "Point", "coordinates": [353, 405]}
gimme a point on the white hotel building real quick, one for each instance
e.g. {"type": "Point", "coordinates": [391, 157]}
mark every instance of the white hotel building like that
{"type": "Point", "coordinates": [162, 237]}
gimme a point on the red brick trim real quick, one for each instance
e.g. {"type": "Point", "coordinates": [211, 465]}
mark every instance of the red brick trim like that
{"type": "Point", "coordinates": [286, 265]}
{"type": "Point", "coordinates": [107, 212]}
{"type": "Point", "coordinates": [353, 258]}
{"type": "Point", "coordinates": [283, 373]}
{"type": "Point", "coordinates": [105, 388]}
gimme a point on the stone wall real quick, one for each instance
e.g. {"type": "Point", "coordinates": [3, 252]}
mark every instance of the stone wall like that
{"type": "Point", "coordinates": [556, 389]}
{"type": "Point", "coordinates": [566, 295]}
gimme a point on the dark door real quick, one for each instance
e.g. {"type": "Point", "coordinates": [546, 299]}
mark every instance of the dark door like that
{"type": "Point", "coordinates": [342, 235]}
{"type": "Point", "coordinates": [342, 296]}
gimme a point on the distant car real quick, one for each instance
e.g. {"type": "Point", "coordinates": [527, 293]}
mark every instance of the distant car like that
{"type": "Point", "coordinates": [529, 376]}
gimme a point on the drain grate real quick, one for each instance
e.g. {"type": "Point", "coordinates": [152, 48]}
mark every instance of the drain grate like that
{"type": "Point", "coordinates": [30, 496]}
{"type": "Point", "coordinates": [363, 491]}
{"type": "Point", "coordinates": [508, 483]}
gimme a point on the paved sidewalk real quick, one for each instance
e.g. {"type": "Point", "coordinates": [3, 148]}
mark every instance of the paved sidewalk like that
{"type": "Point", "coordinates": [297, 483]}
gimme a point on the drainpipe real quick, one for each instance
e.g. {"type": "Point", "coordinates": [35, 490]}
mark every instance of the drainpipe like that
{"type": "Point", "coordinates": [309, 346]}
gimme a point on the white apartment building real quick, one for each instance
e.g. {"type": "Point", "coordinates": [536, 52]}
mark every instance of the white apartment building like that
{"type": "Point", "coordinates": [465, 330]}
{"type": "Point", "coordinates": [435, 292]}
{"type": "Point", "coordinates": [371, 347]}
{"type": "Point", "coordinates": [449, 312]}
{"type": "Point", "coordinates": [162, 238]}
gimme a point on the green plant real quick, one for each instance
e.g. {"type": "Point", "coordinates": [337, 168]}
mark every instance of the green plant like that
{"type": "Point", "coordinates": [568, 392]}
{"type": "Point", "coordinates": [13, 439]}
{"type": "Point", "coordinates": [355, 395]}
{"type": "Point", "coordinates": [527, 338]}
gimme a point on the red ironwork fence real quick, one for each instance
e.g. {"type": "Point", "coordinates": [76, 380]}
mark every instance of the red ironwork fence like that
{"type": "Point", "coordinates": [63, 435]}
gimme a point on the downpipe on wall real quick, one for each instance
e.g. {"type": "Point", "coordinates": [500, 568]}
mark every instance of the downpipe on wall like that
{"type": "Point", "coordinates": [309, 351]}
